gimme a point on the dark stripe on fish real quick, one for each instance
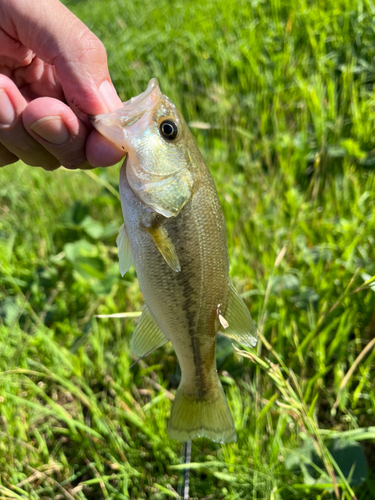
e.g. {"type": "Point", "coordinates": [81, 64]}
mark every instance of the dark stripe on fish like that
{"type": "Point", "coordinates": [191, 308]}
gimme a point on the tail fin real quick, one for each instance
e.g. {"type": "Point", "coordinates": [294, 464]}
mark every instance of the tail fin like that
{"type": "Point", "coordinates": [210, 417]}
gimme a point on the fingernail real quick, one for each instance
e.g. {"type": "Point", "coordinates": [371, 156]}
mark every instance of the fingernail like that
{"type": "Point", "coordinates": [110, 96]}
{"type": "Point", "coordinates": [51, 129]}
{"type": "Point", "coordinates": [7, 113]}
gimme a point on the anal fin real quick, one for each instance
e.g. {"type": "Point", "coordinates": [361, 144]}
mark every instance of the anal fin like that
{"type": "Point", "coordinates": [147, 336]}
{"type": "Point", "coordinates": [163, 242]}
{"type": "Point", "coordinates": [241, 326]}
{"type": "Point", "coordinates": [124, 253]}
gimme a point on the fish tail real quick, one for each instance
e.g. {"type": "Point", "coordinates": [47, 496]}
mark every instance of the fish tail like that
{"type": "Point", "coordinates": [208, 417]}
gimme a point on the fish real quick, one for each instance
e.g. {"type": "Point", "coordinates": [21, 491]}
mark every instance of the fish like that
{"type": "Point", "coordinates": [174, 232]}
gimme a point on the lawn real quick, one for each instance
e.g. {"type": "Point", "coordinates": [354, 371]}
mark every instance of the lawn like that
{"type": "Point", "coordinates": [280, 95]}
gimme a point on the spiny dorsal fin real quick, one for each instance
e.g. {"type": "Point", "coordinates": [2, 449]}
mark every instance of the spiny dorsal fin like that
{"type": "Point", "coordinates": [165, 246]}
{"type": "Point", "coordinates": [241, 327]}
{"type": "Point", "coordinates": [124, 253]}
{"type": "Point", "coordinates": [147, 335]}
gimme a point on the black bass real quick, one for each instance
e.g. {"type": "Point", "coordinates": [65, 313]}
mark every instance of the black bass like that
{"type": "Point", "coordinates": [174, 232]}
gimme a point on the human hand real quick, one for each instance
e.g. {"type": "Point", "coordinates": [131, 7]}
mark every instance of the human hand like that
{"type": "Point", "coordinates": [53, 73]}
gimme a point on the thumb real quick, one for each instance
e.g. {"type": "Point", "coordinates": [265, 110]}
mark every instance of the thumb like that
{"type": "Point", "coordinates": [60, 39]}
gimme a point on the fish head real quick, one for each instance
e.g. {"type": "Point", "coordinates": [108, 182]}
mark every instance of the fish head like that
{"type": "Point", "coordinates": [161, 152]}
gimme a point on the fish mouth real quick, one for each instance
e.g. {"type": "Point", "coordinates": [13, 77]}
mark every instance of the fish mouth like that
{"type": "Point", "coordinates": [136, 106]}
{"type": "Point", "coordinates": [113, 125]}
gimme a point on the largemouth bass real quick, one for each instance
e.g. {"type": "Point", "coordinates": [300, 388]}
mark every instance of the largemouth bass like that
{"type": "Point", "coordinates": [174, 232]}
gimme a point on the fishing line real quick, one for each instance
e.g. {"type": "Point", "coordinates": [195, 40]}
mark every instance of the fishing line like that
{"type": "Point", "coordinates": [183, 487]}
{"type": "Point", "coordinates": [139, 359]}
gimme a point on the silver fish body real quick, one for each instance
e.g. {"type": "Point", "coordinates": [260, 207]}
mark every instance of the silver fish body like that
{"type": "Point", "coordinates": [174, 231]}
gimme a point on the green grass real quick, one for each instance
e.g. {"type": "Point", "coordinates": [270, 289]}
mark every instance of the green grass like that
{"type": "Point", "coordinates": [287, 89]}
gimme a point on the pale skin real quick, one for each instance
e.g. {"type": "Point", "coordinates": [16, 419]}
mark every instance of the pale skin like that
{"type": "Point", "coordinates": [53, 73]}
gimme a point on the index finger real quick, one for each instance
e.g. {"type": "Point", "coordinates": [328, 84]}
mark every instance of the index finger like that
{"type": "Point", "coordinates": [59, 38]}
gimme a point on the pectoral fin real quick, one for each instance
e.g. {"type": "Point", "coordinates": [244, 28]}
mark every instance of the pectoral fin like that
{"type": "Point", "coordinates": [165, 246]}
{"type": "Point", "coordinates": [124, 253]}
{"type": "Point", "coordinates": [240, 327]}
{"type": "Point", "coordinates": [147, 335]}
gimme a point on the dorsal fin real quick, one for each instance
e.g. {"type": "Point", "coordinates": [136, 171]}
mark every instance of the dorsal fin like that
{"type": "Point", "coordinates": [147, 335]}
{"type": "Point", "coordinates": [241, 326]}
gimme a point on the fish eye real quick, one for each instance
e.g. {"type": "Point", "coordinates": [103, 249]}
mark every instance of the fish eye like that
{"type": "Point", "coordinates": [168, 129]}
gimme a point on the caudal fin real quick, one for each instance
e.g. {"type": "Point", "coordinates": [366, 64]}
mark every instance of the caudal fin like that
{"type": "Point", "coordinates": [210, 418]}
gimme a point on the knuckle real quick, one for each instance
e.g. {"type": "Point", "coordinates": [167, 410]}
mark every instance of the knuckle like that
{"type": "Point", "coordinates": [92, 44]}
{"type": "Point", "coordinates": [6, 157]}
{"type": "Point", "coordinates": [4, 163]}
{"type": "Point", "coordinates": [74, 163]}
{"type": "Point", "coordinates": [43, 160]}
{"type": "Point", "coordinates": [87, 45]}
{"type": "Point", "coordinates": [72, 155]}
{"type": "Point", "coordinates": [49, 166]}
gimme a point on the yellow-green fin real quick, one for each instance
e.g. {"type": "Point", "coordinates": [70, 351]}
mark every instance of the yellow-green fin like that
{"type": "Point", "coordinates": [147, 335]}
{"type": "Point", "coordinates": [124, 253]}
{"type": "Point", "coordinates": [210, 417]}
{"type": "Point", "coordinates": [241, 326]}
{"type": "Point", "coordinates": [165, 246]}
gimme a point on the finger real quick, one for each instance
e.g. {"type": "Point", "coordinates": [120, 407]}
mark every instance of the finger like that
{"type": "Point", "coordinates": [6, 157]}
{"type": "Point", "coordinates": [49, 133]}
{"type": "Point", "coordinates": [61, 39]}
{"type": "Point", "coordinates": [38, 79]}
{"type": "Point", "coordinates": [11, 48]}
{"type": "Point", "coordinates": [13, 135]}
{"type": "Point", "coordinates": [100, 152]}
{"type": "Point", "coordinates": [55, 126]}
